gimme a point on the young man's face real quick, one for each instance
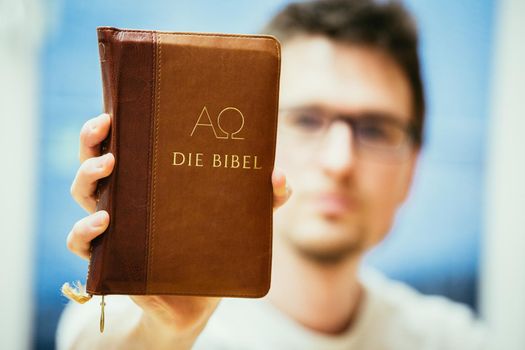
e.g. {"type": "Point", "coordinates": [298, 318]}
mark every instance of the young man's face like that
{"type": "Point", "coordinates": [347, 182]}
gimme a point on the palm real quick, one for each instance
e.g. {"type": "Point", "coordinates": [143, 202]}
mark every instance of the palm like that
{"type": "Point", "coordinates": [177, 312]}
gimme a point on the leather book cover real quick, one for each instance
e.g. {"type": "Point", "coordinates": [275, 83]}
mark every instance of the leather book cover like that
{"type": "Point", "coordinates": [193, 131]}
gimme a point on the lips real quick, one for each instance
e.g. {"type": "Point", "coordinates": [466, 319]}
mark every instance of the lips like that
{"type": "Point", "coordinates": [333, 204]}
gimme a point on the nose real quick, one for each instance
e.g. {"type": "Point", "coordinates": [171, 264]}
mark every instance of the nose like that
{"type": "Point", "coordinates": [336, 154]}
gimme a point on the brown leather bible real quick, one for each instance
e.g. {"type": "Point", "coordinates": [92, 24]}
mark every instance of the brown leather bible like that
{"type": "Point", "coordinates": [193, 129]}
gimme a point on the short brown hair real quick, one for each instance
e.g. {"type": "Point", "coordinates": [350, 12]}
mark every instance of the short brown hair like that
{"type": "Point", "coordinates": [385, 25]}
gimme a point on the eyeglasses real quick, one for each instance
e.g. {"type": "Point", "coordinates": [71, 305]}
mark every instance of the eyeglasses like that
{"type": "Point", "coordinates": [373, 133]}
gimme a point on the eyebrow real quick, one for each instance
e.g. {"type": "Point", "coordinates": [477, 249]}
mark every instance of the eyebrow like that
{"type": "Point", "coordinates": [360, 114]}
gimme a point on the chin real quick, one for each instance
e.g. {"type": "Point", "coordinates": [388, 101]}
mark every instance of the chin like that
{"type": "Point", "coordinates": [326, 238]}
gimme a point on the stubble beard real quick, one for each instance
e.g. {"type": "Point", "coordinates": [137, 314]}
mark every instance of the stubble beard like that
{"type": "Point", "coordinates": [329, 256]}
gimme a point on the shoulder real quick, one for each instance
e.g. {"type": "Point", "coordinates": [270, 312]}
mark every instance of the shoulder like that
{"type": "Point", "coordinates": [432, 322]}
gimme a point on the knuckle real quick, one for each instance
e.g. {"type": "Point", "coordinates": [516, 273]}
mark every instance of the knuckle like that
{"type": "Point", "coordinates": [87, 167]}
{"type": "Point", "coordinates": [84, 132]}
{"type": "Point", "coordinates": [70, 240]}
{"type": "Point", "coordinates": [72, 190]}
{"type": "Point", "coordinates": [75, 235]}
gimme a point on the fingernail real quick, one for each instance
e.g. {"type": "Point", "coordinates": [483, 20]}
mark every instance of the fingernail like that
{"type": "Point", "coordinates": [99, 218]}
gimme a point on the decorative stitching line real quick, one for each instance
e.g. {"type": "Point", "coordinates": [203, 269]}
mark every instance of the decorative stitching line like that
{"type": "Point", "coordinates": [156, 127]}
{"type": "Point", "coordinates": [227, 294]}
{"type": "Point", "coordinates": [151, 133]}
{"type": "Point", "coordinates": [240, 36]}
{"type": "Point", "coordinates": [276, 113]}
{"type": "Point", "coordinates": [111, 182]}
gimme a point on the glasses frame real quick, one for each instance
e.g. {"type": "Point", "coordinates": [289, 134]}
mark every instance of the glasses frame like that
{"type": "Point", "coordinates": [354, 119]}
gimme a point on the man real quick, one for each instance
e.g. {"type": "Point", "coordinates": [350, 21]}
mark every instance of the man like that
{"type": "Point", "coordinates": [350, 132]}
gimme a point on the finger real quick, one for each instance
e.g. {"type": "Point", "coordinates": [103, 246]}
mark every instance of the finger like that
{"type": "Point", "coordinates": [93, 132]}
{"type": "Point", "coordinates": [281, 188]}
{"type": "Point", "coordinates": [85, 183]}
{"type": "Point", "coordinates": [84, 231]}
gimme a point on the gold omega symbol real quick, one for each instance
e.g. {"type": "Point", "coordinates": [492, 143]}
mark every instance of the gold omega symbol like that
{"type": "Point", "coordinates": [205, 113]}
{"type": "Point", "coordinates": [240, 128]}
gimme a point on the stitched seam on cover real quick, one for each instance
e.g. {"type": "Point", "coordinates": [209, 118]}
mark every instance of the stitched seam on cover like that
{"type": "Point", "coordinates": [276, 111]}
{"type": "Point", "coordinates": [240, 36]}
{"type": "Point", "coordinates": [111, 184]}
{"type": "Point", "coordinates": [154, 175]}
{"type": "Point", "coordinates": [226, 294]}
{"type": "Point", "coordinates": [151, 120]}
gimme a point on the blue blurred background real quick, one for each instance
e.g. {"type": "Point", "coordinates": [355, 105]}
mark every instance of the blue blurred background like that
{"type": "Point", "coordinates": [435, 243]}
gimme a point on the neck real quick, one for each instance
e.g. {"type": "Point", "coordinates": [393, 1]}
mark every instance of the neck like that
{"type": "Point", "coordinates": [322, 297]}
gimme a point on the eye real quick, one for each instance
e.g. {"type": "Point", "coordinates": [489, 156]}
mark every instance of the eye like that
{"type": "Point", "coordinates": [373, 132]}
{"type": "Point", "coordinates": [307, 121]}
{"type": "Point", "coordinates": [378, 133]}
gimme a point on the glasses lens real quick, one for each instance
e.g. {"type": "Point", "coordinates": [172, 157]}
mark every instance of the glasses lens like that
{"type": "Point", "coordinates": [382, 134]}
{"type": "Point", "coordinates": [304, 122]}
{"type": "Point", "coordinates": [378, 134]}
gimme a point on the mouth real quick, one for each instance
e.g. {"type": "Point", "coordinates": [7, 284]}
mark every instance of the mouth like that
{"type": "Point", "coordinates": [333, 204]}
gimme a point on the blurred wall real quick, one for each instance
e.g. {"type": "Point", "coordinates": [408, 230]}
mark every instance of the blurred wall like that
{"type": "Point", "coordinates": [20, 29]}
{"type": "Point", "coordinates": [434, 245]}
{"type": "Point", "coordinates": [503, 292]}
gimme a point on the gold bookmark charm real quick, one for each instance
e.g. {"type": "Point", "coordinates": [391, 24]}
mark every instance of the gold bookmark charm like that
{"type": "Point", "coordinates": [102, 304]}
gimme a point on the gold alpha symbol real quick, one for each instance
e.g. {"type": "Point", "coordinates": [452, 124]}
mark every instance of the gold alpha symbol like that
{"type": "Point", "coordinates": [204, 113]}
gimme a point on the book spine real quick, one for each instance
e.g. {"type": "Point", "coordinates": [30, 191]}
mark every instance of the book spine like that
{"type": "Point", "coordinates": [105, 186]}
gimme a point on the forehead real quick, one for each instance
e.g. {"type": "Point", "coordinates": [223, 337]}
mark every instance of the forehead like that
{"type": "Point", "coordinates": [319, 72]}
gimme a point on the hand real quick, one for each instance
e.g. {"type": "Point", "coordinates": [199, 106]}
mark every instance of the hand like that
{"type": "Point", "coordinates": [95, 166]}
{"type": "Point", "coordinates": [184, 314]}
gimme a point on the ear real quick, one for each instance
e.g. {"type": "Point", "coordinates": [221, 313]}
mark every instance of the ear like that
{"type": "Point", "coordinates": [411, 166]}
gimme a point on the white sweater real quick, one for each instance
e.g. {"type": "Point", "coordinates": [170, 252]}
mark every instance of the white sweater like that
{"type": "Point", "coordinates": [393, 316]}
